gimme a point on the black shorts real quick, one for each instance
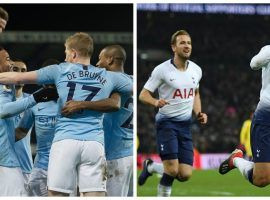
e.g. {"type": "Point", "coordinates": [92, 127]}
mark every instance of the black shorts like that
{"type": "Point", "coordinates": [175, 141]}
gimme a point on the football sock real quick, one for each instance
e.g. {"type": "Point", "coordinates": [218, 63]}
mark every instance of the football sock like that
{"type": "Point", "coordinates": [245, 167]}
{"type": "Point", "coordinates": [165, 185]}
{"type": "Point", "coordinates": [155, 168]}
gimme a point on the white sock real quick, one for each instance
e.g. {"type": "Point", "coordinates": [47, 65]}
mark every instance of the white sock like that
{"type": "Point", "coordinates": [164, 191]}
{"type": "Point", "coordinates": [155, 168]}
{"type": "Point", "coordinates": [243, 165]}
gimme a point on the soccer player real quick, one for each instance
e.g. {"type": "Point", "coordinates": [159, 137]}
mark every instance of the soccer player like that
{"type": "Point", "coordinates": [44, 116]}
{"type": "Point", "coordinates": [245, 136]}
{"type": "Point", "coordinates": [80, 136]}
{"type": "Point", "coordinates": [23, 147]}
{"type": "Point", "coordinates": [118, 127]}
{"type": "Point", "coordinates": [3, 19]}
{"type": "Point", "coordinates": [257, 172]}
{"type": "Point", "coordinates": [12, 180]}
{"type": "Point", "coordinates": [177, 81]}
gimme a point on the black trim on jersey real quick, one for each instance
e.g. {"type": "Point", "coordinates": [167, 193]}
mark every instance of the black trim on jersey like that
{"type": "Point", "coordinates": [85, 67]}
{"type": "Point", "coordinates": [176, 66]}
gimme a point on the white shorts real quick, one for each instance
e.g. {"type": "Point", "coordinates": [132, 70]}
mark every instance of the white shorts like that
{"type": "Point", "coordinates": [75, 162]}
{"type": "Point", "coordinates": [11, 182]}
{"type": "Point", "coordinates": [119, 176]}
{"type": "Point", "coordinates": [37, 183]}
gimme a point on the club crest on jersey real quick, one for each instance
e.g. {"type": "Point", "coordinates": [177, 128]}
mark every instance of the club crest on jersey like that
{"type": "Point", "coordinates": [184, 93]}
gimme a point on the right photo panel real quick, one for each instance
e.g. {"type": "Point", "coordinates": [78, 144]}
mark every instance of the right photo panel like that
{"type": "Point", "coordinates": [203, 99]}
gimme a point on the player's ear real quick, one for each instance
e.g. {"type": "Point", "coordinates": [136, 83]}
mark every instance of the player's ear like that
{"type": "Point", "coordinates": [173, 47]}
{"type": "Point", "coordinates": [110, 60]}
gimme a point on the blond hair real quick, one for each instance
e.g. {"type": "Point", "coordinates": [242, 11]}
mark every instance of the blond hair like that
{"type": "Point", "coordinates": [82, 43]}
{"type": "Point", "coordinates": [179, 32]}
{"type": "Point", "coordinates": [3, 14]}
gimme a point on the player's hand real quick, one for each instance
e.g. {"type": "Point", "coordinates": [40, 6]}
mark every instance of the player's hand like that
{"type": "Point", "coordinates": [71, 107]}
{"type": "Point", "coordinates": [202, 118]}
{"type": "Point", "coordinates": [46, 94]}
{"type": "Point", "coordinates": [161, 102]}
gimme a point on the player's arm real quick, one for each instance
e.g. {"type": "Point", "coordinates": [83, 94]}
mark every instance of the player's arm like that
{"type": "Point", "coordinates": [9, 109]}
{"type": "Point", "coordinates": [20, 133]}
{"type": "Point", "coordinates": [261, 59]}
{"type": "Point", "coordinates": [25, 124]}
{"type": "Point", "coordinates": [18, 78]}
{"type": "Point", "coordinates": [197, 108]}
{"type": "Point", "coordinates": [147, 97]}
{"type": "Point", "coordinates": [111, 104]}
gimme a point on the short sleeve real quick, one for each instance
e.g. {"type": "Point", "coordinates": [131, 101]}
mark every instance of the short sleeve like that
{"type": "Point", "coordinates": [48, 75]}
{"type": "Point", "coordinates": [154, 80]}
{"type": "Point", "coordinates": [122, 82]}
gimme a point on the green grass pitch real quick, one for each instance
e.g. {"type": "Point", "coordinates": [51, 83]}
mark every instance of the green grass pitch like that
{"type": "Point", "coordinates": [207, 183]}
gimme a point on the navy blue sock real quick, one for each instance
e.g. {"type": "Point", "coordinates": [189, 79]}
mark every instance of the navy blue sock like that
{"type": "Point", "coordinates": [166, 180]}
{"type": "Point", "coordinates": [250, 176]}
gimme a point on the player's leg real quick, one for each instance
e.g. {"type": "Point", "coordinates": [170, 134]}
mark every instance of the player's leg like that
{"type": "Point", "coordinates": [260, 142]}
{"type": "Point", "coordinates": [119, 176]}
{"type": "Point", "coordinates": [185, 153]}
{"type": "Point", "coordinates": [168, 149]}
{"type": "Point", "coordinates": [38, 182]}
{"type": "Point", "coordinates": [63, 160]}
{"type": "Point", "coordinates": [92, 169]}
{"type": "Point", "coordinates": [12, 182]}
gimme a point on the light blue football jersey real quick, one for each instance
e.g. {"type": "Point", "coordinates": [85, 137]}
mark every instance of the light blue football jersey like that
{"type": "Point", "coordinates": [8, 157]}
{"type": "Point", "coordinates": [82, 83]}
{"type": "Point", "coordinates": [118, 128]}
{"type": "Point", "coordinates": [23, 147]}
{"type": "Point", "coordinates": [44, 115]}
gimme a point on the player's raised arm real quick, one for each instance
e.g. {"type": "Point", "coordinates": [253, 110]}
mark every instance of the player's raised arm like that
{"type": "Point", "coordinates": [261, 59]}
{"type": "Point", "coordinates": [18, 78]}
{"type": "Point", "coordinates": [111, 104]}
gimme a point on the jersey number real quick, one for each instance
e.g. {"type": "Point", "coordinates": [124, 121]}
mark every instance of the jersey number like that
{"type": "Point", "coordinates": [128, 123]}
{"type": "Point", "coordinates": [93, 91]}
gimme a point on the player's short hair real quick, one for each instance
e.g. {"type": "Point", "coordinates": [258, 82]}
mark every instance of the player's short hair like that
{"type": "Point", "coordinates": [50, 61]}
{"type": "Point", "coordinates": [3, 14]}
{"type": "Point", "coordinates": [179, 32]}
{"type": "Point", "coordinates": [2, 48]}
{"type": "Point", "coordinates": [81, 42]}
{"type": "Point", "coordinates": [117, 51]}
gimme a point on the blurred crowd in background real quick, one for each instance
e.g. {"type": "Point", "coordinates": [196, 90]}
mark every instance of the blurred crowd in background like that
{"type": "Point", "coordinates": [223, 46]}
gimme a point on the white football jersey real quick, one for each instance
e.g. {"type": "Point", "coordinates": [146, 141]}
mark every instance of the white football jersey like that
{"type": "Point", "coordinates": [175, 86]}
{"type": "Point", "coordinates": [262, 61]}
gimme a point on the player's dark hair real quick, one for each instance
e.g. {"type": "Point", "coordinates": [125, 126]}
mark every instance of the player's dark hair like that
{"type": "Point", "coordinates": [4, 14]}
{"type": "Point", "coordinates": [2, 48]}
{"type": "Point", "coordinates": [179, 32]}
{"type": "Point", "coordinates": [50, 61]}
{"type": "Point", "coordinates": [118, 53]}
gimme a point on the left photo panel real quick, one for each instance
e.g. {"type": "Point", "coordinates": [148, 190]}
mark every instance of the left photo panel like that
{"type": "Point", "coordinates": [66, 103]}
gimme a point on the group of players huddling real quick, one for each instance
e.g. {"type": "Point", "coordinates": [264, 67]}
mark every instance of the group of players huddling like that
{"type": "Point", "coordinates": [80, 150]}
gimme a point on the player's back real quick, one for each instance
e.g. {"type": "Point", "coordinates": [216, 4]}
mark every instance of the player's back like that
{"type": "Point", "coordinates": [8, 157]}
{"type": "Point", "coordinates": [118, 128]}
{"type": "Point", "coordinates": [81, 83]}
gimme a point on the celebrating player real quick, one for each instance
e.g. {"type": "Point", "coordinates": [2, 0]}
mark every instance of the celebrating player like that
{"type": "Point", "coordinates": [118, 127]}
{"type": "Point", "coordinates": [177, 81]}
{"type": "Point", "coordinates": [257, 172]}
{"type": "Point", "coordinates": [78, 137]}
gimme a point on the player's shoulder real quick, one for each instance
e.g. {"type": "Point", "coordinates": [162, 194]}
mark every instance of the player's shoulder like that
{"type": "Point", "coordinates": [164, 65]}
{"type": "Point", "coordinates": [194, 66]}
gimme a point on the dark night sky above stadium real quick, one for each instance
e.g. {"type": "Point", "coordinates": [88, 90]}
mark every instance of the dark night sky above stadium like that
{"type": "Point", "coordinates": [70, 17]}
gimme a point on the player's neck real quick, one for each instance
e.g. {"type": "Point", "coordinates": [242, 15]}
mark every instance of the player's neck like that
{"type": "Point", "coordinates": [181, 64]}
{"type": "Point", "coordinates": [19, 92]}
{"type": "Point", "coordinates": [117, 68]}
{"type": "Point", "coordinates": [83, 61]}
